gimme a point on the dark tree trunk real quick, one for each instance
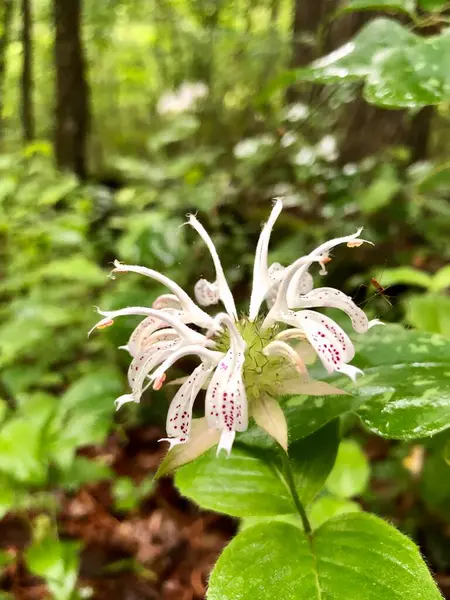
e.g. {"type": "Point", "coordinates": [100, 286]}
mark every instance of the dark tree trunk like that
{"type": "Point", "coordinates": [27, 72]}
{"type": "Point", "coordinates": [6, 11]}
{"type": "Point", "coordinates": [309, 18]}
{"type": "Point", "coordinates": [72, 91]}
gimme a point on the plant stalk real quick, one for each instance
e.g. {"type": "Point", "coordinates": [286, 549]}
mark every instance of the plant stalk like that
{"type": "Point", "coordinates": [298, 503]}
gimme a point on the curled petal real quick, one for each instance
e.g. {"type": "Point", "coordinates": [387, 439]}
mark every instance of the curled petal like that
{"type": "Point", "coordinates": [148, 359]}
{"type": "Point", "coordinates": [300, 267]}
{"type": "Point", "coordinates": [224, 291]}
{"type": "Point", "coordinates": [196, 314]}
{"type": "Point", "coordinates": [282, 349]}
{"type": "Point", "coordinates": [261, 279]}
{"type": "Point", "coordinates": [206, 293]}
{"type": "Point", "coordinates": [173, 320]}
{"type": "Point", "coordinates": [166, 301]}
{"type": "Point", "coordinates": [350, 371]}
{"type": "Point", "coordinates": [330, 297]}
{"type": "Point", "coordinates": [374, 323]}
{"type": "Point", "coordinates": [208, 356]}
{"type": "Point", "coordinates": [121, 400]}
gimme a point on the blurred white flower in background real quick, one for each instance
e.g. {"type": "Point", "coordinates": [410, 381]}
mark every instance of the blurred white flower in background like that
{"type": "Point", "coordinates": [183, 99]}
{"type": "Point", "coordinates": [297, 112]}
{"type": "Point", "coordinates": [327, 148]}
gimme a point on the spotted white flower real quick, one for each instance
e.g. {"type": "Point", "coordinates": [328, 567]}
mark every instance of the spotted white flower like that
{"type": "Point", "coordinates": [245, 363]}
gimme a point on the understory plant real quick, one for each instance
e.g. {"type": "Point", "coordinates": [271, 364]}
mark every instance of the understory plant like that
{"type": "Point", "coordinates": [277, 416]}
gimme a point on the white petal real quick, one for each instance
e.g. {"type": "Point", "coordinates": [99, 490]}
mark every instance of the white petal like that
{"type": "Point", "coordinates": [332, 344]}
{"type": "Point", "coordinates": [179, 415]}
{"type": "Point", "coordinates": [206, 293]}
{"type": "Point", "coordinates": [226, 441]}
{"type": "Point", "coordinates": [121, 400]}
{"type": "Point", "coordinates": [208, 356]}
{"type": "Point", "coordinates": [302, 283]}
{"type": "Point", "coordinates": [224, 291]}
{"type": "Point", "coordinates": [349, 370]}
{"type": "Point", "coordinates": [375, 322]}
{"type": "Point", "coordinates": [278, 348]}
{"type": "Point", "coordinates": [330, 297]}
{"type": "Point", "coordinates": [166, 301]}
{"type": "Point", "coordinates": [261, 282]}
{"type": "Point", "coordinates": [166, 316]}
{"type": "Point", "coordinates": [197, 315]}
{"type": "Point", "coordinates": [300, 267]}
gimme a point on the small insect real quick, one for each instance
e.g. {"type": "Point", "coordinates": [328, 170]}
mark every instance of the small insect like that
{"type": "Point", "coordinates": [380, 289]}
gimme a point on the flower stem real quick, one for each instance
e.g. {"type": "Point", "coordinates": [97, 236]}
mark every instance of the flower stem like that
{"type": "Point", "coordinates": [298, 503]}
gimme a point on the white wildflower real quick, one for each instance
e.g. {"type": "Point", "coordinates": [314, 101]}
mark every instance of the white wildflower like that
{"type": "Point", "coordinates": [246, 361]}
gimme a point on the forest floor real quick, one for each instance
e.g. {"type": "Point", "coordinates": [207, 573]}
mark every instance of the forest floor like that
{"type": "Point", "coordinates": [163, 550]}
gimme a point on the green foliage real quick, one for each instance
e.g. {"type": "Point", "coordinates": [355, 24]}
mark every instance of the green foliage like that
{"type": "Point", "coordinates": [271, 557]}
{"type": "Point", "coordinates": [378, 53]}
{"type": "Point", "coordinates": [351, 471]}
{"type": "Point", "coordinates": [251, 483]}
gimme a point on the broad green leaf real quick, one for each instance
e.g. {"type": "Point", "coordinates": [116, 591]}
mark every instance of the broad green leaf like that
{"type": "Point", "coordinates": [351, 471]}
{"type": "Point", "coordinates": [404, 276]}
{"type": "Point", "coordinates": [430, 313]}
{"type": "Point", "coordinates": [250, 483]}
{"type": "Point", "coordinates": [425, 79]}
{"type": "Point", "coordinates": [350, 557]}
{"type": "Point", "coordinates": [406, 6]}
{"type": "Point", "coordinates": [354, 60]}
{"type": "Point", "coordinates": [441, 279]}
{"type": "Point", "coordinates": [245, 484]}
{"type": "Point", "coordinates": [405, 390]}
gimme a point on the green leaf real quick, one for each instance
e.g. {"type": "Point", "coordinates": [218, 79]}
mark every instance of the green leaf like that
{"type": "Point", "coordinates": [351, 471]}
{"type": "Point", "coordinates": [380, 192]}
{"type": "Point", "coordinates": [20, 460]}
{"type": "Point", "coordinates": [404, 276]}
{"type": "Point", "coordinates": [441, 280]}
{"type": "Point", "coordinates": [83, 471]}
{"type": "Point", "coordinates": [406, 6]}
{"type": "Point", "coordinates": [327, 507]}
{"type": "Point", "coordinates": [429, 312]}
{"type": "Point", "coordinates": [354, 60]}
{"type": "Point", "coordinates": [350, 557]}
{"type": "Point", "coordinates": [74, 268]}
{"type": "Point", "coordinates": [432, 5]}
{"type": "Point", "coordinates": [250, 483]}
{"type": "Point", "coordinates": [57, 562]}
{"type": "Point", "coordinates": [405, 390]}
{"type": "Point", "coordinates": [435, 484]}
{"type": "Point", "coordinates": [424, 74]}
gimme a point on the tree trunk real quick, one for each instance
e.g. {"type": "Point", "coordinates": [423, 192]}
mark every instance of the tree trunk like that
{"type": "Point", "coordinates": [6, 11]}
{"type": "Point", "coordinates": [27, 72]}
{"type": "Point", "coordinates": [72, 91]}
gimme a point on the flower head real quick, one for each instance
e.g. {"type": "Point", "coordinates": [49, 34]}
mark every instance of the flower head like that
{"type": "Point", "coordinates": [244, 363]}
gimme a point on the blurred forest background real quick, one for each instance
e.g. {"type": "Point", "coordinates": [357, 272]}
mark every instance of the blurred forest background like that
{"type": "Point", "coordinates": [118, 117]}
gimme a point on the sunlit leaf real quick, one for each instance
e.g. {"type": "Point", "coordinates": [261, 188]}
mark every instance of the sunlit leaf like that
{"type": "Point", "coordinates": [350, 557]}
